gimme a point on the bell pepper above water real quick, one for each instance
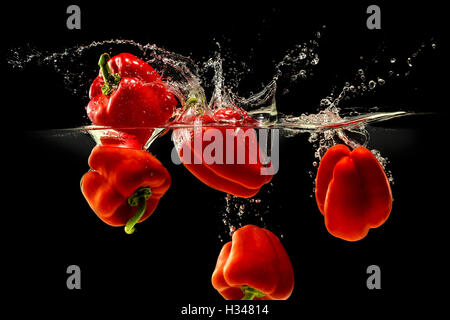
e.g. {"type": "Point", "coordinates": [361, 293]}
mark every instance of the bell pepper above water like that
{"type": "Point", "coordinates": [239, 169]}
{"type": "Point", "coordinates": [254, 265]}
{"type": "Point", "coordinates": [129, 93]}
{"type": "Point", "coordinates": [124, 185]}
{"type": "Point", "coordinates": [352, 192]}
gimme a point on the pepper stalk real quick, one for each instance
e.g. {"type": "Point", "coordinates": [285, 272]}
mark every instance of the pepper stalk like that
{"type": "Point", "coordinates": [137, 199]}
{"type": "Point", "coordinates": [111, 80]}
{"type": "Point", "coordinates": [250, 293]}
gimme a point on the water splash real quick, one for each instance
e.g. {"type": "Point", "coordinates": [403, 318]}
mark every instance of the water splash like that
{"type": "Point", "coordinates": [186, 79]}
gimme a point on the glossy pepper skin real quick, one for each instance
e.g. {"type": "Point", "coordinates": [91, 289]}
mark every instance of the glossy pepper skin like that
{"type": "Point", "coordinates": [254, 265]}
{"type": "Point", "coordinates": [124, 185]}
{"type": "Point", "coordinates": [352, 192]}
{"type": "Point", "coordinates": [129, 93]}
{"type": "Point", "coordinates": [239, 179]}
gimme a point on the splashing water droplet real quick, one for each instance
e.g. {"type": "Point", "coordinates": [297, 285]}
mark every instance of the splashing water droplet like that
{"type": "Point", "coordinates": [302, 73]}
{"type": "Point", "coordinates": [409, 62]}
{"type": "Point", "coordinates": [325, 102]}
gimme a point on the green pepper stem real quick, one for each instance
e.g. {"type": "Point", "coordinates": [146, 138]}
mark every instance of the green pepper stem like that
{"type": "Point", "coordinates": [111, 79]}
{"type": "Point", "coordinates": [250, 293]}
{"type": "Point", "coordinates": [139, 199]}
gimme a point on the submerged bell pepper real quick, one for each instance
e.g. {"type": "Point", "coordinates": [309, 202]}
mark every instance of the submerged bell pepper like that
{"type": "Point", "coordinates": [225, 157]}
{"type": "Point", "coordinates": [124, 186]}
{"type": "Point", "coordinates": [352, 192]}
{"type": "Point", "coordinates": [254, 265]}
{"type": "Point", "coordinates": [128, 93]}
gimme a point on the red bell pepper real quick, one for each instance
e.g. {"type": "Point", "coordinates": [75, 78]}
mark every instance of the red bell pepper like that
{"type": "Point", "coordinates": [239, 170]}
{"type": "Point", "coordinates": [124, 186]}
{"type": "Point", "coordinates": [352, 192]}
{"type": "Point", "coordinates": [129, 93]}
{"type": "Point", "coordinates": [254, 265]}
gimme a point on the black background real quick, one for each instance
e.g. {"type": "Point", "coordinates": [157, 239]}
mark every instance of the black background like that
{"type": "Point", "coordinates": [168, 263]}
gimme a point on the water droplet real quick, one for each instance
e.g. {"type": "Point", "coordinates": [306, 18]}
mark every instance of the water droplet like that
{"type": "Point", "coordinates": [381, 81]}
{"type": "Point", "coordinates": [314, 164]}
{"type": "Point", "coordinates": [409, 62]}
{"type": "Point", "coordinates": [433, 45]}
{"type": "Point", "coordinates": [372, 84]}
{"type": "Point", "coordinates": [393, 60]}
{"type": "Point", "coordinates": [302, 56]}
{"type": "Point", "coordinates": [325, 102]}
{"type": "Point", "coordinates": [257, 200]}
{"type": "Point", "coordinates": [315, 60]}
{"type": "Point", "coordinates": [302, 73]}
